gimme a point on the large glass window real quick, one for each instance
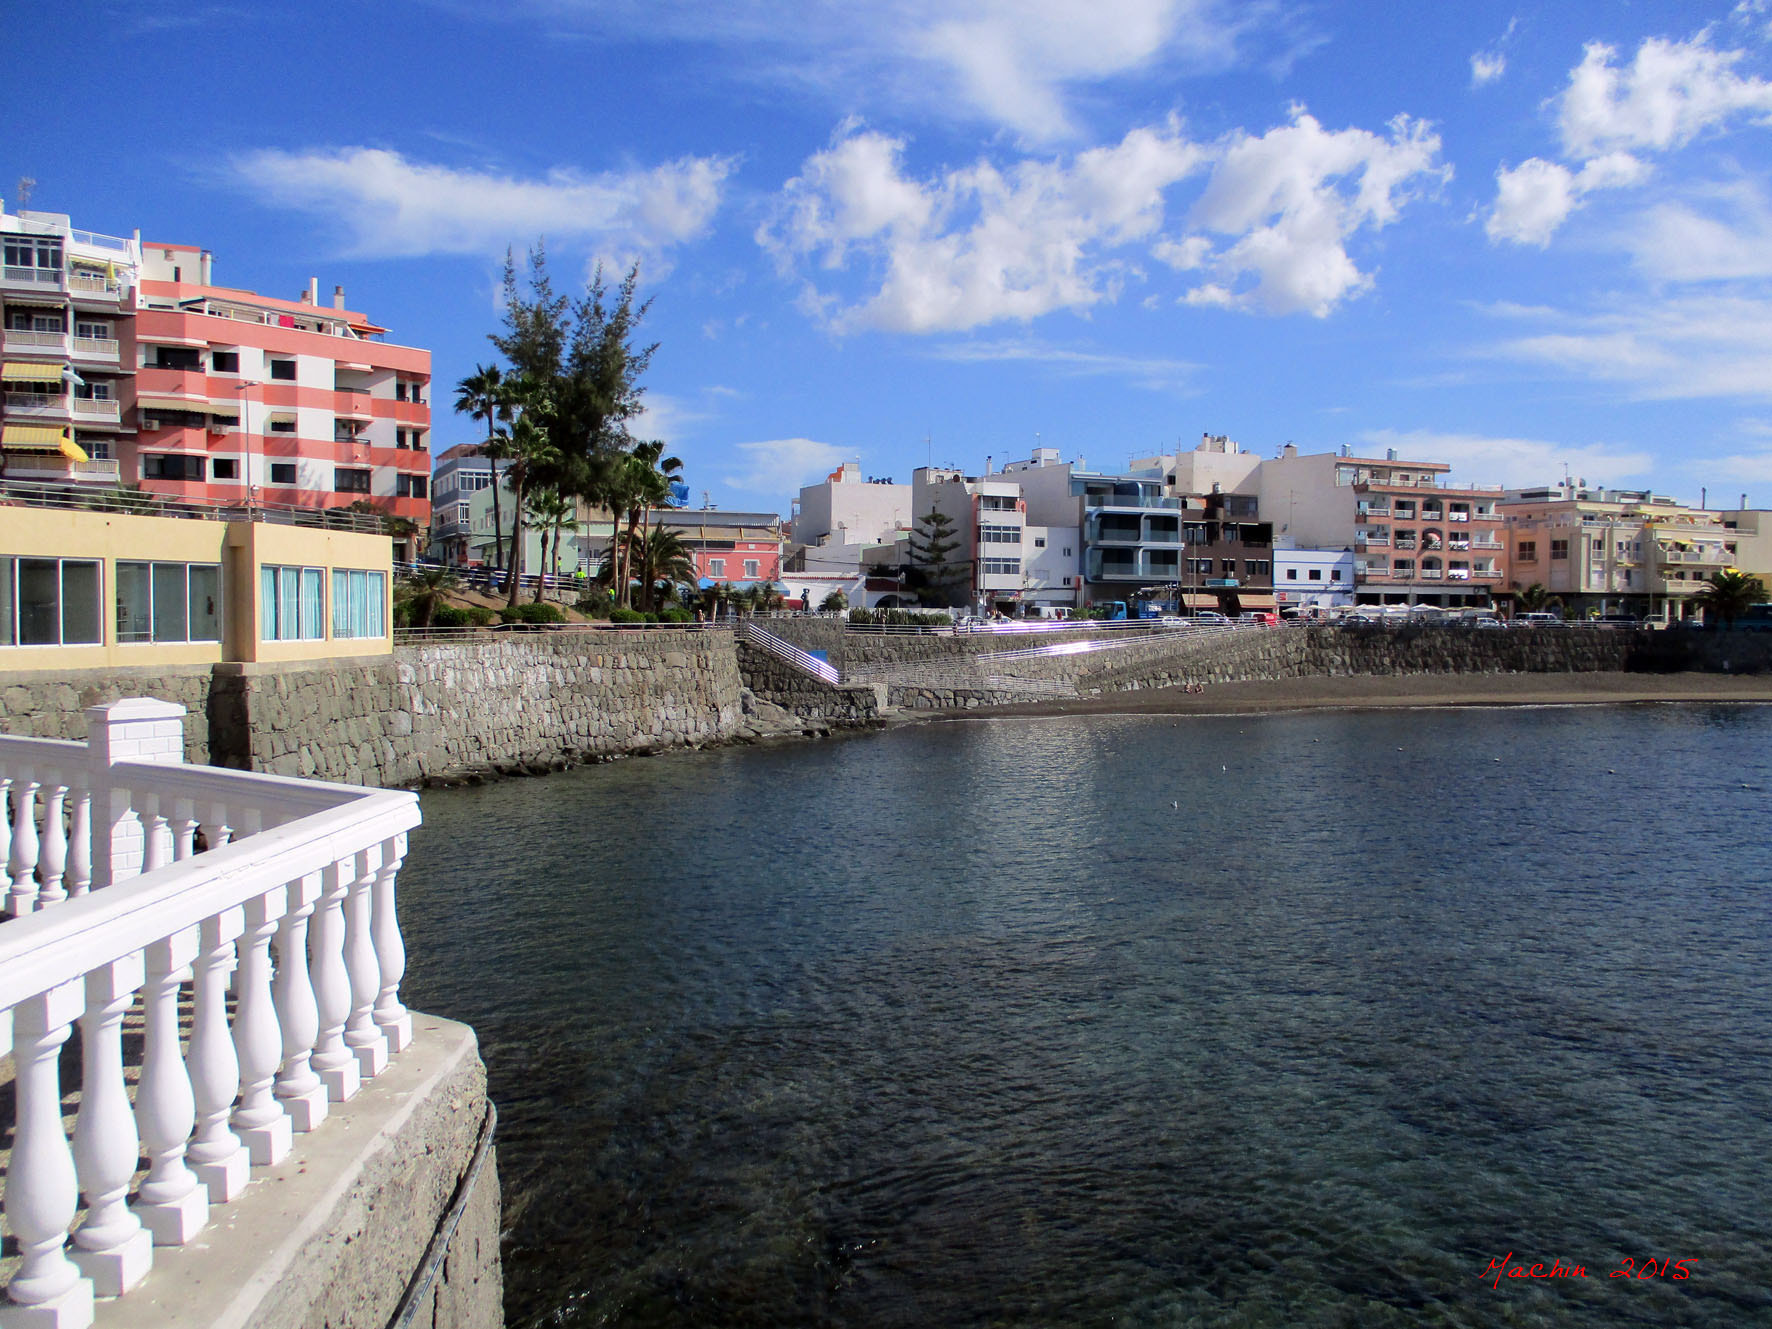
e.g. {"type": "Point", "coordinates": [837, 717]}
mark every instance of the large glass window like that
{"type": "Point", "coordinates": [290, 604]}
{"type": "Point", "coordinates": [168, 602]}
{"type": "Point", "coordinates": [357, 603]}
{"type": "Point", "coordinates": [49, 602]}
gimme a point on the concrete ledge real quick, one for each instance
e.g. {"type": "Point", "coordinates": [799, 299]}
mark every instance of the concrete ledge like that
{"type": "Point", "coordinates": [330, 1237]}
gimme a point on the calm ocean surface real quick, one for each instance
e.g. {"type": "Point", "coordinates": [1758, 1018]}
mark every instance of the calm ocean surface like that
{"type": "Point", "coordinates": [1263, 1021]}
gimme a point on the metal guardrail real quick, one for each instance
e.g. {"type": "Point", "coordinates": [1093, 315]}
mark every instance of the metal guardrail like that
{"type": "Point", "coordinates": [91, 498]}
{"type": "Point", "coordinates": [781, 650]}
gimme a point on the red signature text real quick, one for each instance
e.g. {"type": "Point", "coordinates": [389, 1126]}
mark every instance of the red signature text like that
{"type": "Point", "coordinates": [1508, 1267]}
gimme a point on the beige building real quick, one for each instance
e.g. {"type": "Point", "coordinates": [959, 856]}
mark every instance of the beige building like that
{"type": "Point", "coordinates": [1612, 551]}
{"type": "Point", "coordinates": [82, 589]}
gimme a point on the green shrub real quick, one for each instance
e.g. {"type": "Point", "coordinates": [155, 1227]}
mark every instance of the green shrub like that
{"type": "Point", "coordinates": [676, 616]}
{"type": "Point", "coordinates": [649, 616]}
{"type": "Point", "coordinates": [626, 616]}
{"type": "Point", "coordinates": [480, 616]}
{"type": "Point", "coordinates": [861, 616]}
{"type": "Point", "coordinates": [595, 602]}
{"type": "Point", "coordinates": [531, 613]}
{"type": "Point", "coordinates": [448, 616]}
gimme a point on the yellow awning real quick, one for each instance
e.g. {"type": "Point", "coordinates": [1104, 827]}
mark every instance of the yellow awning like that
{"type": "Point", "coordinates": [150, 402]}
{"type": "Point", "coordinates": [19, 371]}
{"type": "Point", "coordinates": [41, 438]}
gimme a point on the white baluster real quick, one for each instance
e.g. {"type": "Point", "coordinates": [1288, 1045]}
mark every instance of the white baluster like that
{"type": "Point", "coordinates": [156, 841]}
{"type": "Point", "coordinates": [216, 830]}
{"type": "Point", "coordinates": [259, 1121]}
{"type": "Point", "coordinates": [173, 1204]}
{"type": "Point", "coordinates": [299, 1089]}
{"type": "Point", "coordinates": [215, 1154]}
{"type": "Point", "coordinates": [111, 1247]}
{"type": "Point", "coordinates": [80, 842]}
{"type": "Point", "coordinates": [393, 1018]}
{"type": "Point", "coordinates": [184, 829]}
{"type": "Point", "coordinates": [5, 845]}
{"type": "Point", "coordinates": [52, 854]}
{"type": "Point", "coordinates": [24, 844]}
{"type": "Point", "coordinates": [362, 1035]}
{"type": "Point", "coordinates": [41, 1190]}
{"type": "Point", "coordinates": [336, 1063]}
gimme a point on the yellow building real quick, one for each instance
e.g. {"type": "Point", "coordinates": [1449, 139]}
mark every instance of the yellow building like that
{"type": "Point", "coordinates": [84, 589]}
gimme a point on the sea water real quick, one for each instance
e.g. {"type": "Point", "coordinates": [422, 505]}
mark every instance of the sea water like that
{"type": "Point", "coordinates": [1331, 1019]}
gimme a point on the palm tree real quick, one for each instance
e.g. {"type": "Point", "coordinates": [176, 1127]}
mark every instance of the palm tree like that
{"type": "Point", "coordinates": [552, 512]}
{"type": "Point", "coordinates": [530, 449]}
{"type": "Point", "coordinates": [663, 558]}
{"type": "Point", "coordinates": [482, 393]}
{"type": "Point", "coordinates": [1534, 599]}
{"type": "Point", "coordinates": [1729, 594]}
{"type": "Point", "coordinates": [422, 592]}
{"type": "Point", "coordinates": [834, 603]}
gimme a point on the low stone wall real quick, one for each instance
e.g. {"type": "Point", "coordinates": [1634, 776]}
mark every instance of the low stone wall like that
{"type": "Point", "coordinates": [45, 704]}
{"type": "Point", "coordinates": [805, 696]}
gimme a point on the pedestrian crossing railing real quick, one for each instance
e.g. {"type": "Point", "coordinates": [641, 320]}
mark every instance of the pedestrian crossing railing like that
{"type": "Point", "coordinates": [137, 885]}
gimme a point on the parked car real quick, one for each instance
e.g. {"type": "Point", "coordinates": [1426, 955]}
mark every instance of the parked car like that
{"type": "Point", "coordinates": [1266, 620]}
{"type": "Point", "coordinates": [1484, 621]}
{"type": "Point", "coordinates": [1208, 616]}
{"type": "Point", "coordinates": [1539, 620]}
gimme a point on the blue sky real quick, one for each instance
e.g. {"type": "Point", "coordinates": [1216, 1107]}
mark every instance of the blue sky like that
{"type": "Point", "coordinates": [1510, 238]}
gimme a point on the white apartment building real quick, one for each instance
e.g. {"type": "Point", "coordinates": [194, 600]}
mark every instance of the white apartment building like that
{"type": "Point", "coordinates": [1014, 565]}
{"type": "Point", "coordinates": [1313, 578]}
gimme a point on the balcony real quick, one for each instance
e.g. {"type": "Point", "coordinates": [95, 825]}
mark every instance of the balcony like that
{"type": "Point", "coordinates": [38, 406]}
{"type": "Point", "coordinates": [130, 873]}
{"type": "Point", "coordinates": [1694, 557]}
{"type": "Point", "coordinates": [108, 349]}
{"type": "Point", "coordinates": [1372, 539]}
{"type": "Point", "coordinates": [94, 288]}
{"type": "Point", "coordinates": [1374, 510]}
{"type": "Point", "coordinates": [1130, 501]}
{"type": "Point", "coordinates": [1484, 542]}
{"type": "Point", "coordinates": [33, 280]}
{"type": "Point", "coordinates": [19, 342]}
{"type": "Point", "coordinates": [1458, 516]}
{"type": "Point", "coordinates": [96, 410]}
{"type": "Point", "coordinates": [1431, 574]}
{"type": "Point", "coordinates": [53, 468]}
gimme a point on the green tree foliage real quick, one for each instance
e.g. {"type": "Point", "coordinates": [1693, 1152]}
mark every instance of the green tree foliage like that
{"type": "Point", "coordinates": [834, 603]}
{"type": "Point", "coordinates": [481, 394]}
{"type": "Point", "coordinates": [418, 597]}
{"type": "Point", "coordinates": [659, 560]}
{"type": "Point", "coordinates": [1729, 594]}
{"type": "Point", "coordinates": [1534, 599]}
{"type": "Point", "coordinates": [932, 574]}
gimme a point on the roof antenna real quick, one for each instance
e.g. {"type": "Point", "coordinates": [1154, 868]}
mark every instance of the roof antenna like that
{"type": "Point", "coordinates": [25, 185]}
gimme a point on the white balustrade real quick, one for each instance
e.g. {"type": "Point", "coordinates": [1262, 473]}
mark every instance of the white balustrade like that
{"type": "Point", "coordinates": [128, 871]}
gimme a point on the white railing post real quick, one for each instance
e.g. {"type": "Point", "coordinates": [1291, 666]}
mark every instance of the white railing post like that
{"type": "Point", "coordinates": [394, 1020]}
{"type": "Point", "coordinates": [5, 844]}
{"type": "Point", "coordinates": [24, 843]}
{"type": "Point", "coordinates": [299, 1089]}
{"type": "Point", "coordinates": [80, 842]}
{"type": "Point", "coordinates": [362, 1035]}
{"type": "Point", "coordinates": [215, 1153]}
{"type": "Point", "coordinates": [173, 1204]}
{"type": "Point", "coordinates": [52, 854]}
{"type": "Point", "coordinates": [42, 1192]}
{"type": "Point", "coordinates": [111, 1247]}
{"type": "Point", "coordinates": [134, 729]}
{"type": "Point", "coordinates": [259, 1121]}
{"type": "Point", "coordinates": [335, 1062]}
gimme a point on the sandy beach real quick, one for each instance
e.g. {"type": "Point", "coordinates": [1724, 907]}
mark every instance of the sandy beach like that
{"type": "Point", "coordinates": [1292, 694]}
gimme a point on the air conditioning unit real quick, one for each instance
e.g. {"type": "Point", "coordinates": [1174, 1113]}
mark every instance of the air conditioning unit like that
{"type": "Point", "coordinates": [150, 422]}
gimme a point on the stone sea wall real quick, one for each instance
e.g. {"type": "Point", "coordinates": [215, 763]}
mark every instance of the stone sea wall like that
{"type": "Point", "coordinates": [46, 704]}
{"type": "Point", "coordinates": [806, 697]}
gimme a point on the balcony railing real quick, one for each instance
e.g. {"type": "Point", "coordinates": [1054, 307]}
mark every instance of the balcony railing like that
{"type": "Point", "coordinates": [1482, 542]}
{"type": "Point", "coordinates": [17, 339]}
{"type": "Point", "coordinates": [1130, 501]}
{"type": "Point", "coordinates": [37, 405]}
{"type": "Point", "coordinates": [88, 283]}
{"type": "Point", "coordinates": [128, 873]}
{"type": "Point", "coordinates": [1373, 538]}
{"type": "Point", "coordinates": [33, 276]}
{"type": "Point", "coordinates": [1431, 574]}
{"type": "Point", "coordinates": [97, 348]}
{"type": "Point", "coordinates": [97, 408]}
{"type": "Point", "coordinates": [52, 467]}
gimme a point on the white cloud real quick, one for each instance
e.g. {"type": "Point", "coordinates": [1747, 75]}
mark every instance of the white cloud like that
{"type": "Point", "coordinates": [1017, 64]}
{"type": "Point", "coordinates": [1676, 242]}
{"type": "Point", "coordinates": [975, 245]}
{"type": "Point", "coordinates": [1533, 199]}
{"type": "Point", "coordinates": [783, 465]}
{"type": "Point", "coordinates": [1669, 94]}
{"type": "Point", "coordinates": [1157, 373]}
{"type": "Point", "coordinates": [1687, 346]}
{"type": "Point", "coordinates": [1486, 67]}
{"type": "Point", "coordinates": [1482, 459]}
{"type": "Point", "coordinates": [389, 206]}
{"type": "Point", "coordinates": [1610, 115]}
{"type": "Point", "coordinates": [1291, 199]}
{"type": "Point", "coordinates": [984, 243]}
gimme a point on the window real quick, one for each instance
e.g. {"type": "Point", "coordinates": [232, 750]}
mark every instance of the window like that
{"type": "Point", "coordinates": [283, 473]}
{"type": "Point", "coordinates": [1258, 567]}
{"type": "Point", "coordinates": [1559, 549]}
{"type": "Point", "coordinates": [999, 567]}
{"type": "Point", "coordinates": [1334, 574]}
{"type": "Point", "coordinates": [283, 426]}
{"type": "Point", "coordinates": [357, 603]}
{"type": "Point", "coordinates": [290, 601]}
{"type": "Point", "coordinates": [1039, 542]}
{"type": "Point", "coordinates": [1200, 566]}
{"type": "Point", "coordinates": [1527, 551]}
{"type": "Point", "coordinates": [49, 602]}
{"type": "Point", "coordinates": [35, 320]}
{"type": "Point", "coordinates": [996, 503]}
{"type": "Point", "coordinates": [1227, 567]}
{"type": "Point", "coordinates": [30, 252]}
{"type": "Point", "coordinates": [349, 481]}
{"type": "Point", "coordinates": [283, 369]}
{"type": "Point", "coordinates": [171, 466]}
{"type": "Point", "coordinates": [1067, 551]}
{"type": "Point", "coordinates": [716, 567]}
{"type": "Point", "coordinates": [225, 362]}
{"type": "Point", "coordinates": [224, 468]}
{"type": "Point", "coordinates": [92, 331]}
{"type": "Point", "coordinates": [999, 535]}
{"type": "Point", "coordinates": [409, 486]}
{"type": "Point", "coordinates": [182, 358]}
{"type": "Point", "coordinates": [168, 602]}
{"type": "Point", "coordinates": [1291, 574]}
{"type": "Point", "coordinates": [1599, 547]}
{"type": "Point", "coordinates": [1316, 574]}
{"type": "Point", "coordinates": [752, 567]}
